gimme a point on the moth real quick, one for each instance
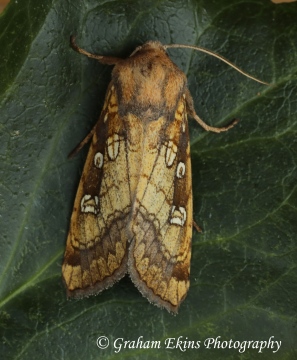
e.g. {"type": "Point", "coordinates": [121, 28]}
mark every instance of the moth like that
{"type": "Point", "coordinates": [133, 211]}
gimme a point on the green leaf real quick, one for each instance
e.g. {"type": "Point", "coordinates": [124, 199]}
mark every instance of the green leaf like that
{"type": "Point", "coordinates": [243, 274]}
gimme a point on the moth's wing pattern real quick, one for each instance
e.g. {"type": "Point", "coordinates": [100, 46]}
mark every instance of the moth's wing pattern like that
{"type": "Point", "coordinates": [159, 255]}
{"type": "Point", "coordinates": [96, 249]}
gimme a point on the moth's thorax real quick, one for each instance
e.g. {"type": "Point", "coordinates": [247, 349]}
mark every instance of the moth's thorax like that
{"type": "Point", "coordinates": [148, 83]}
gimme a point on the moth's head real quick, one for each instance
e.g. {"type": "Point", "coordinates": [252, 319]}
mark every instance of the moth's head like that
{"type": "Point", "coordinates": [154, 46]}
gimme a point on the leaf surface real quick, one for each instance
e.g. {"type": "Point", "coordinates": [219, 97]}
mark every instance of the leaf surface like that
{"type": "Point", "coordinates": [243, 274]}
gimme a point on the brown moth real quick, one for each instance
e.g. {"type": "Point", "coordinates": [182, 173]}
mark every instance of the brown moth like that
{"type": "Point", "coordinates": [133, 210]}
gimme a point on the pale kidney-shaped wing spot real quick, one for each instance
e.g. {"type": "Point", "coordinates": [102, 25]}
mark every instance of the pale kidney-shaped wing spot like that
{"type": "Point", "coordinates": [180, 170]}
{"type": "Point", "coordinates": [89, 204]}
{"type": "Point", "coordinates": [178, 216]}
{"type": "Point", "coordinates": [170, 152]}
{"type": "Point", "coordinates": [105, 117]}
{"type": "Point", "coordinates": [98, 160]}
{"type": "Point", "coordinates": [83, 202]}
{"type": "Point", "coordinates": [113, 144]}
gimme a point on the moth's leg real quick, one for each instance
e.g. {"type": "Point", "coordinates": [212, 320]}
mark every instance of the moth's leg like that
{"type": "Point", "coordinates": [82, 143]}
{"type": "Point", "coordinates": [197, 227]}
{"type": "Point", "coordinates": [191, 111]}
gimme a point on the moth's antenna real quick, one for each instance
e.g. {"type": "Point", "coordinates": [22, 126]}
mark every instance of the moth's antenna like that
{"type": "Point", "coordinates": [209, 52]}
{"type": "Point", "coordinates": [109, 60]}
